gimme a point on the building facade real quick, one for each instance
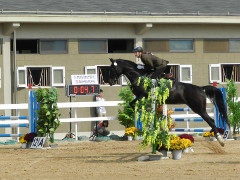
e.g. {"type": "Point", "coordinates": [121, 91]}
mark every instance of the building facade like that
{"type": "Point", "coordinates": [46, 49]}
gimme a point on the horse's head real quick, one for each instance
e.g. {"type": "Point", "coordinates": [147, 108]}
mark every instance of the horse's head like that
{"type": "Point", "coordinates": [115, 72]}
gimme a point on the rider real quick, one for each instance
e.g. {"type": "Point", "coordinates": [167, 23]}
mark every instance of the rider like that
{"type": "Point", "coordinates": [151, 62]}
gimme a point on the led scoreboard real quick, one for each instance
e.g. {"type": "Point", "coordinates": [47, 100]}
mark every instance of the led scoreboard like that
{"type": "Point", "coordinates": [78, 90]}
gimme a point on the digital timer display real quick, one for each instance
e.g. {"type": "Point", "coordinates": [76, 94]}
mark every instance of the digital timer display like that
{"type": "Point", "coordinates": [78, 90]}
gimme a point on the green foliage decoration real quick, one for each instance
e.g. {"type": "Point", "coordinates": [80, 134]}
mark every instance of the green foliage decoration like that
{"type": "Point", "coordinates": [48, 113]}
{"type": "Point", "coordinates": [126, 114]}
{"type": "Point", "coordinates": [233, 106]}
{"type": "Point", "coordinates": [155, 130]}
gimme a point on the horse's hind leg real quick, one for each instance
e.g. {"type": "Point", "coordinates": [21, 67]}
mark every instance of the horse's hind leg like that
{"type": "Point", "coordinates": [211, 123]}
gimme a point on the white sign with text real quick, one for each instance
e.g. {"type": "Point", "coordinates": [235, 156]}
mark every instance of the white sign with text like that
{"type": "Point", "coordinates": [84, 79]}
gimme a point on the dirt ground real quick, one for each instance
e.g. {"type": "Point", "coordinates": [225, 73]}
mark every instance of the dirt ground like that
{"type": "Point", "coordinates": [118, 160]}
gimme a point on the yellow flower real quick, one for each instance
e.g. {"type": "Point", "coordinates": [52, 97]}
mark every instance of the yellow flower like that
{"type": "Point", "coordinates": [206, 134]}
{"type": "Point", "coordinates": [130, 131]}
{"type": "Point", "coordinates": [21, 139]}
{"type": "Point", "coordinates": [178, 143]}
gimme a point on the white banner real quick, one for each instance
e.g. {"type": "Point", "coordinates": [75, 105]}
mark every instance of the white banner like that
{"type": "Point", "coordinates": [84, 79]}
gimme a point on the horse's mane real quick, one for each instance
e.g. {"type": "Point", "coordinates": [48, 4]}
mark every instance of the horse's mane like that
{"type": "Point", "coordinates": [128, 63]}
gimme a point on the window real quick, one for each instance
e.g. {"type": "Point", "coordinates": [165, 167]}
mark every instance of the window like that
{"type": "Point", "coordinates": [37, 46]}
{"type": "Point", "coordinates": [168, 45]}
{"type": "Point", "coordinates": [91, 46]}
{"type": "Point", "coordinates": [120, 45]}
{"type": "Point", "coordinates": [214, 72]}
{"type": "Point", "coordinates": [182, 73]}
{"type": "Point", "coordinates": [53, 46]}
{"type": "Point", "coordinates": [102, 72]}
{"type": "Point", "coordinates": [186, 73]}
{"type": "Point", "coordinates": [221, 72]}
{"type": "Point", "coordinates": [181, 45]}
{"type": "Point", "coordinates": [40, 76]}
{"type": "Point", "coordinates": [26, 46]}
{"type": "Point", "coordinates": [1, 46]}
{"type": "Point", "coordinates": [0, 78]}
{"type": "Point", "coordinates": [221, 45]}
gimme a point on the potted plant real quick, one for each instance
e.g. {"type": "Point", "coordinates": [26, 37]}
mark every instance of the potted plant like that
{"type": "Point", "coordinates": [48, 112]}
{"type": "Point", "coordinates": [208, 135]}
{"type": "Point", "coordinates": [23, 141]}
{"type": "Point", "coordinates": [177, 145]}
{"type": "Point", "coordinates": [27, 139]}
{"type": "Point", "coordinates": [130, 132]}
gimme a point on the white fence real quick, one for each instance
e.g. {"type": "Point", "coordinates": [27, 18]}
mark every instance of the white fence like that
{"type": "Point", "coordinates": [73, 105]}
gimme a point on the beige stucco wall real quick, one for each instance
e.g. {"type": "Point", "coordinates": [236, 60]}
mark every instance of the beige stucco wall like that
{"type": "Point", "coordinates": [74, 62]}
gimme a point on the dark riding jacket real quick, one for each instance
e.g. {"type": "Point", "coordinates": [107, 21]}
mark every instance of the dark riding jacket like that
{"type": "Point", "coordinates": [153, 62]}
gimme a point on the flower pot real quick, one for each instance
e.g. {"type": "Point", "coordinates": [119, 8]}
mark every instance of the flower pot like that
{"type": "Point", "coordinates": [177, 154]}
{"type": "Point", "coordinates": [130, 138]}
{"type": "Point", "coordinates": [29, 144]}
{"type": "Point", "coordinates": [164, 153]}
{"type": "Point", "coordinates": [24, 145]}
{"type": "Point", "coordinates": [188, 149]}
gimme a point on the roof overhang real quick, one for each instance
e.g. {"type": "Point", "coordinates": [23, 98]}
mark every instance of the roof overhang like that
{"type": "Point", "coordinates": [119, 19]}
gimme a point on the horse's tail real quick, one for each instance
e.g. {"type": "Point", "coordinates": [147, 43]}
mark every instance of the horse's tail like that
{"type": "Point", "coordinates": [216, 97]}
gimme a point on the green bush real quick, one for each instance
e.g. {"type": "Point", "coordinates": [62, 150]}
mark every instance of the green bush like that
{"type": "Point", "coordinates": [48, 113]}
{"type": "Point", "coordinates": [126, 114]}
{"type": "Point", "coordinates": [233, 106]}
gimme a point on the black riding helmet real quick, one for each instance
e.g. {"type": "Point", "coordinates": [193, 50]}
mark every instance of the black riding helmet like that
{"type": "Point", "coordinates": [138, 49]}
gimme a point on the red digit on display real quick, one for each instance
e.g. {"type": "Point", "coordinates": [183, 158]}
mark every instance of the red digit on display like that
{"type": "Point", "coordinates": [82, 89]}
{"type": "Point", "coordinates": [75, 90]}
{"type": "Point", "coordinates": [86, 89]}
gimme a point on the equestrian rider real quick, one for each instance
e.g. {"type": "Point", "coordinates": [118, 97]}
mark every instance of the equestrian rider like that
{"type": "Point", "coordinates": [151, 62]}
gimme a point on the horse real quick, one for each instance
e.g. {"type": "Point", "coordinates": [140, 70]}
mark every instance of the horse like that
{"type": "Point", "coordinates": [180, 93]}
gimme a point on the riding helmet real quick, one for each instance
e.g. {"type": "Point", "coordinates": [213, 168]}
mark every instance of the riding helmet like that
{"type": "Point", "coordinates": [138, 49]}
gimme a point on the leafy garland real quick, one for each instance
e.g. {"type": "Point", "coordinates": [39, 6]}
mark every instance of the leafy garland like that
{"type": "Point", "coordinates": [155, 130]}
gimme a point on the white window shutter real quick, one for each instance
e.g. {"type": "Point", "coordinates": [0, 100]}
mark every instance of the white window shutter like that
{"type": "Point", "coordinates": [186, 73]}
{"type": "Point", "coordinates": [90, 70]}
{"type": "Point", "coordinates": [21, 77]}
{"type": "Point", "coordinates": [124, 80]}
{"type": "Point", "coordinates": [58, 76]}
{"type": "Point", "coordinates": [215, 73]}
{"type": "Point", "coordinates": [0, 78]}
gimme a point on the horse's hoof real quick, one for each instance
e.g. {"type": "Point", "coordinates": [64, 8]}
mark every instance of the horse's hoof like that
{"type": "Point", "coordinates": [220, 140]}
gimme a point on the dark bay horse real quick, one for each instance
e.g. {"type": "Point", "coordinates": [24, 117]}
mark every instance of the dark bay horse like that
{"type": "Point", "coordinates": [180, 93]}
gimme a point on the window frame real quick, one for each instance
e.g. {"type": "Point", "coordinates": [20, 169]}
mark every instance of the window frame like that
{"type": "Point", "coordinates": [182, 51]}
{"type": "Point", "coordinates": [180, 73]}
{"type": "Point", "coordinates": [168, 41]}
{"type": "Point", "coordinates": [52, 84]}
{"type": "Point", "coordinates": [0, 77]}
{"type": "Point", "coordinates": [52, 78]}
{"type": "Point", "coordinates": [220, 71]}
{"type": "Point", "coordinates": [96, 68]}
{"type": "Point", "coordinates": [53, 52]}
{"type": "Point", "coordinates": [106, 45]}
